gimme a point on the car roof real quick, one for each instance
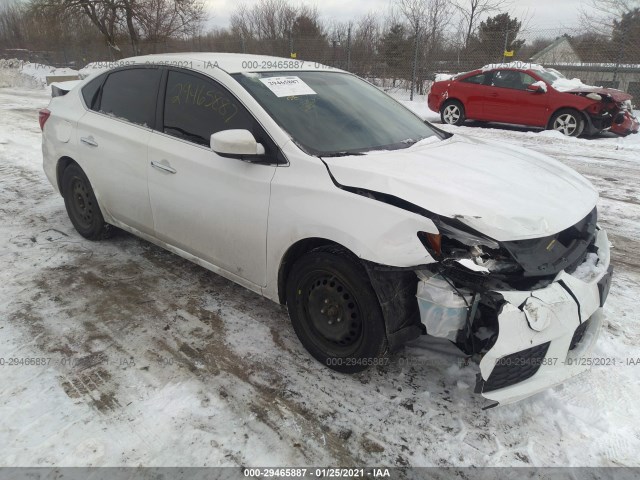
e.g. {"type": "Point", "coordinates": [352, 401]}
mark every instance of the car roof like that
{"type": "Point", "coordinates": [229, 62]}
{"type": "Point", "coordinates": [517, 65]}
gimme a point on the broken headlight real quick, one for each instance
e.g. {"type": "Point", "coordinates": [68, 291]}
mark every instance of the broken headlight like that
{"type": "Point", "coordinates": [472, 251]}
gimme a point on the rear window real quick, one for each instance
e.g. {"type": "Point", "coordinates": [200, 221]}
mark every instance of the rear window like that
{"type": "Point", "coordinates": [90, 92]}
{"type": "Point", "coordinates": [131, 95]}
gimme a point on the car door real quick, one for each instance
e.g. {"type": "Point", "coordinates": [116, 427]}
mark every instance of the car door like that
{"type": "Point", "coordinates": [113, 137]}
{"type": "Point", "coordinates": [472, 92]}
{"type": "Point", "coordinates": [210, 206]}
{"type": "Point", "coordinates": [509, 101]}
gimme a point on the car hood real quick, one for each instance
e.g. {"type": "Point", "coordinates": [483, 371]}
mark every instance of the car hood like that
{"type": "Point", "coordinates": [503, 191]}
{"type": "Point", "coordinates": [616, 95]}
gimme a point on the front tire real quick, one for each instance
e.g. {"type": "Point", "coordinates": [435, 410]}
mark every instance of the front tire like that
{"type": "Point", "coordinates": [569, 122]}
{"type": "Point", "coordinates": [335, 312]}
{"type": "Point", "coordinates": [82, 206]}
{"type": "Point", "coordinates": [452, 113]}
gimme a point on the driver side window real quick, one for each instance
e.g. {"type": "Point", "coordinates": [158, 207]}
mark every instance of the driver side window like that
{"type": "Point", "coordinates": [478, 79]}
{"type": "Point", "coordinates": [512, 79]}
{"type": "Point", "coordinates": [196, 107]}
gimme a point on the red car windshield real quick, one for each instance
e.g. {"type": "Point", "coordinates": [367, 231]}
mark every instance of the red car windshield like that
{"type": "Point", "coordinates": [549, 76]}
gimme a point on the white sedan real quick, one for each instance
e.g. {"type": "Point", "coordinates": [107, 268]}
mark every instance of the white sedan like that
{"type": "Point", "coordinates": [315, 189]}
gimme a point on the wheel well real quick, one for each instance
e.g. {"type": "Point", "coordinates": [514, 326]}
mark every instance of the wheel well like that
{"type": "Point", "coordinates": [451, 99]}
{"type": "Point", "coordinates": [63, 163]}
{"type": "Point", "coordinates": [584, 115]}
{"type": "Point", "coordinates": [294, 252]}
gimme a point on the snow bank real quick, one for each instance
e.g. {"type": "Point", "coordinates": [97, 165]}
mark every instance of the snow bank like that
{"type": "Point", "coordinates": [18, 73]}
{"type": "Point", "coordinates": [40, 72]}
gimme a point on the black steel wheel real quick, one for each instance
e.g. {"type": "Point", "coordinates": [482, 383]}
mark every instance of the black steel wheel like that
{"type": "Point", "coordinates": [81, 204]}
{"type": "Point", "coordinates": [335, 312]}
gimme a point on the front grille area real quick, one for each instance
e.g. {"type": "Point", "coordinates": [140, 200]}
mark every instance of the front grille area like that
{"type": "Point", "coordinates": [578, 334]}
{"type": "Point", "coordinates": [516, 367]}
{"type": "Point", "coordinates": [563, 251]}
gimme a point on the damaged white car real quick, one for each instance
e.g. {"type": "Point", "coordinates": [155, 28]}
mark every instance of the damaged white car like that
{"type": "Point", "coordinates": [315, 189]}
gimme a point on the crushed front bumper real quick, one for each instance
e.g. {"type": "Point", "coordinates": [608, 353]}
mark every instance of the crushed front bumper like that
{"type": "Point", "coordinates": [625, 124]}
{"type": "Point", "coordinates": [544, 334]}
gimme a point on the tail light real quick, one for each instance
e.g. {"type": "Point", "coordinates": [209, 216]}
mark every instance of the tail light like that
{"type": "Point", "coordinates": [43, 116]}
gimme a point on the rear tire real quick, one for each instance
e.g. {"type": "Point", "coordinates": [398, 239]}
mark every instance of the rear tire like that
{"type": "Point", "coordinates": [335, 311]}
{"type": "Point", "coordinates": [567, 121]}
{"type": "Point", "coordinates": [82, 206]}
{"type": "Point", "coordinates": [452, 113]}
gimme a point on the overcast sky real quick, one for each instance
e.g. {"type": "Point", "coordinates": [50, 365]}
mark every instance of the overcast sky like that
{"type": "Point", "coordinates": [542, 14]}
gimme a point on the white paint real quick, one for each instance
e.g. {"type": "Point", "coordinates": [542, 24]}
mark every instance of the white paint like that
{"type": "Point", "coordinates": [504, 192]}
{"type": "Point", "coordinates": [235, 142]}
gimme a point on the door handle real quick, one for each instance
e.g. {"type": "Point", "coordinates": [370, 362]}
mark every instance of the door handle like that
{"type": "Point", "coordinates": [89, 141]}
{"type": "Point", "coordinates": [493, 95]}
{"type": "Point", "coordinates": [163, 167]}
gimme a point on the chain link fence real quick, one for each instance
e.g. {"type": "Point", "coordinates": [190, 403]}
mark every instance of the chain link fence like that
{"type": "Point", "coordinates": [403, 65]}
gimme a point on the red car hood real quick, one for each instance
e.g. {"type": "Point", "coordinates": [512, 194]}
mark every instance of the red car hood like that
{"type": "Point", "coordinates": [616, 95]}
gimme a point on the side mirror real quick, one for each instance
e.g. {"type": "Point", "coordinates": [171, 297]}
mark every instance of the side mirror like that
{"type": "Point", "coordinates": [538, 87]}
{"type": "Point", "coordinates": [236, 144]}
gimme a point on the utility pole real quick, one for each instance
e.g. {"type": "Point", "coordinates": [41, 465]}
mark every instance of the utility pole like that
{"type": "Point", "coordinates": [349, 48]}
{"type": "Point", "coordinates": [290, 44]}
{"type": "Point", "coordinates": [506, 44]}
{"type": "Point", "coordinates": [414, 68]}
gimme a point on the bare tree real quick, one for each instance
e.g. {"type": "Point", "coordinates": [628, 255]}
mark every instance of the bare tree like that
{"type": "Point", "coordinates": [160, 19]}
{"type": "Point", "coordinates": [472, 11]}
{"type": "Point", "coordinates": [270, 26]}
{"type": "Point", "coordinates": [267, 20]}
{"type": "Point", "coordinates": [426, 17]}
{"type": "Point", "coordinates": [135, 19]}
{"type": "Point", "coordinates": [428, 20]}
{"type": "Point", "coordinates": [599, 16]}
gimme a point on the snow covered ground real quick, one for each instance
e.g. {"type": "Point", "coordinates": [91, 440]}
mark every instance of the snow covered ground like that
{"type": "Point", "coordinates": [137, 357]}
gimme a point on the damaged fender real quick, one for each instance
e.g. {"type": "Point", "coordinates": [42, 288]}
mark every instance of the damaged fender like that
{"type": "Point", "coordinates": [374, 231]}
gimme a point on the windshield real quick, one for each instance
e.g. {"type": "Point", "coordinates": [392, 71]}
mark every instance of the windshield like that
{"type": "Point", "coordinates": [332, 113]}
{"type": "Point", "coordinates": [549, 75]}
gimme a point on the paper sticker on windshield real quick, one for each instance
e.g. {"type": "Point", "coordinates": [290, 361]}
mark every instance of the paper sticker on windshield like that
{"type": "Point", "coordinates": [287, 86]}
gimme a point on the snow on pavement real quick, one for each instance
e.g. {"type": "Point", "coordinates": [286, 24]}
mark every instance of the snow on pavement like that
{"type": "Point", "coordinates": [148, 359]}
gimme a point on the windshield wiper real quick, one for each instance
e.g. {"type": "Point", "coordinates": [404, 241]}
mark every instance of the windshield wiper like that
{"type": "Point", "coordinates": [340, 154]}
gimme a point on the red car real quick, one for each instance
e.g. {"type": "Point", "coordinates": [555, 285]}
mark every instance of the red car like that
{"type": "Point", "coordinates": [528, 94]}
